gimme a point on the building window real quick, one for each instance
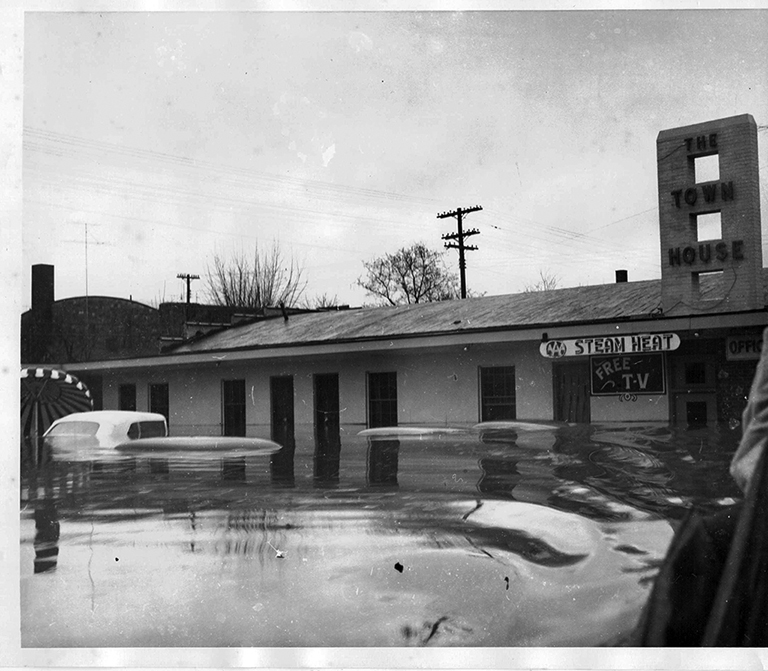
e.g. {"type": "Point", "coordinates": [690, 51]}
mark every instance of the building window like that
{"type": "Point", "coordinates": [497, 393]}
{"type": "Point", "coordinates": [710, 285]}
{"type": "Point", "coordinates": [158, 399]}
{"type": "Point", "coordinates": [707, 226]}
{"type": "Point", "coordinates": [126, 397]}
{"type": "Point", "coordinates": [382, 399]}
{"type": "Point", "coordinates": [233, 407]}
{"type": "Point", "coordinates": [706, 168]}
{"type": "Point", "coordinates": [695, 372]}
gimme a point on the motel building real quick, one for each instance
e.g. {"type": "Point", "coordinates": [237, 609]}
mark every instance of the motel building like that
{"type": "Point", "coordinates": [681, 349]}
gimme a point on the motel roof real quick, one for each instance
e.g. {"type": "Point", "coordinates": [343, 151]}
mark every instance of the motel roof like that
{"type": "Point", "coordinates": [623, 301]}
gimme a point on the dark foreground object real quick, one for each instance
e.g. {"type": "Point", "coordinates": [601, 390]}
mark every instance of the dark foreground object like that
{"type": "Point", "coordinates": [712, 589]}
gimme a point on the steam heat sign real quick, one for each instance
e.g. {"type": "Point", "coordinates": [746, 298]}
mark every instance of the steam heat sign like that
{"type": "Point", "coordinates": [631, 374]}
{"type": "Point", "coordinates": [642, 343]}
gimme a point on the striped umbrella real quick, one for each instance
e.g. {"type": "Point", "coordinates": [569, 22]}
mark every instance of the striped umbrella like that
{"type": "Point", "coordinates": [48, 394]}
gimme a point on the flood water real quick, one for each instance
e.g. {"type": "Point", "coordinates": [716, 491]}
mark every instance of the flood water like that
{"type": "Point", "coordinates": [545, 537]}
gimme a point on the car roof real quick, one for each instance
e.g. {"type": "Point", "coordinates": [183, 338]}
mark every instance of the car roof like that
{"type": "Point", "coordinates": [112, 417]}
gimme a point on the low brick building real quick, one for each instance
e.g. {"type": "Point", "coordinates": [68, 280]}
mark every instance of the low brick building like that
{"type": "Point", "coordinates": [106, 328]}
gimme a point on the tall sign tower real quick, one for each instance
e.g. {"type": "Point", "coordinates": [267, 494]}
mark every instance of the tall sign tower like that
{"type": "Point", "coordinates": [709, 214]}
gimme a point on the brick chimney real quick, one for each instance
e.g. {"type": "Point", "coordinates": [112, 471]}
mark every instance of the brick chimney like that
{"type": "Point", "coordinates": [42, 287]}
{"type": "Point", "coordinates": [42, 312]}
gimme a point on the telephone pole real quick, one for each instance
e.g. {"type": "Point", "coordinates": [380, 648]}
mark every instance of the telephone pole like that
{"type": "Point", "coordinates": [188, 278]}
{"type": "Point", "coordinates": [459, 237]}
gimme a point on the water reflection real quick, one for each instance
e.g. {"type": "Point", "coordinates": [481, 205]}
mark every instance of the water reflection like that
{"type": "Point", "coordinates": [327, 454]}
{"type": "Point", "coordinates": [233, 469]}
{"type": "Point", "coordinates": [611, 472]}
{"type": "Point", "coordinates": [159, 467]}
{"type": "Point", "coordinates": [561, 512]}
{"type": "Point", "coordinates": [282, 465]}
{"type": "Point", "coordinates": [251, 532]}
{"type": "Point", "coordinates": [41, 497]}
{"type": "Point", "coordinates": [283, 432]}
{"type": "Point", "coordinates": [600, 472]}
{"type": "Point", "coordinates": [46, 536]}
{"type": "Point", "coordinates": [499, 476]}
{"type": "Point", "coordinates": [533, 549]}
{"type": "Point", "coordinates": [382, 461]}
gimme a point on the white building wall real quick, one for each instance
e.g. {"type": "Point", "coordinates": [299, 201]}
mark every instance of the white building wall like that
{"type": "Point", "coordinates": [437, 386]}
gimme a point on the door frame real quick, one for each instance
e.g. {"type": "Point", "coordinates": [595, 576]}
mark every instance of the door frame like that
{"type": "Point", "coordinates": [583, 402]}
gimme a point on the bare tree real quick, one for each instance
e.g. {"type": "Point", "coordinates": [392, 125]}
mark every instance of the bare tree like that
{"type": "Point", "coordinates": [547, 282]}
{"type": "Point", "coordinates": [414, 274]}
{"type": "Point", "coordinates": [321, 302]}
{"type": "Point", "coordinates": [264, 279]}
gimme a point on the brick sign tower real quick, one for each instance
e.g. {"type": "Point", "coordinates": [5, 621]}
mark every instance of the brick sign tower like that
{"type": "Point", "coordinates": [709, 214]}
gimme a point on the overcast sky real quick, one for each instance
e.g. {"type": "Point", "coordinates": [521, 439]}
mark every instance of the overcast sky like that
{"type": "Point", "coordinates": [163, 138]}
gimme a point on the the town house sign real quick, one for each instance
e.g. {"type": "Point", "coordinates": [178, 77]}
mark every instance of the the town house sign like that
{"type": "Point", "coordinates": [710, 195]}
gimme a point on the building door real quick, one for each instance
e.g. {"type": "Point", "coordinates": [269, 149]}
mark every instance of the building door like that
{"type": "Point", "coordinates": [570, 383]}
{"type": "Point", "coordinates": [281, 399]}
{"type": "Point", "coordinates": [694, 389]}
{"type": "Point", "coordinates": [126, 397]}
{"type": "Point", "coordinates": [282, 429]}
{"type": "Point", "coordinates": [233, 407]}
{"type": "Point", "coordinates": [159, 400]}
{"type": "Point", "coordinates": [327, 430]}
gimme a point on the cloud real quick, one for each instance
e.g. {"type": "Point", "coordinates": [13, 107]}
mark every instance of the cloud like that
{"type": "Point", "coordinates": [328, 155]}
{"type": "Point", "coordinates": [360, 42]}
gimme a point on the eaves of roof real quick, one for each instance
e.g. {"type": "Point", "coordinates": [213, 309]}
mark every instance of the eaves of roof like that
{"type": "Point", "coordinates": [572, 306]}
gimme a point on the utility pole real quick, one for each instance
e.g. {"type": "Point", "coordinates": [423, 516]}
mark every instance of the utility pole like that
{"type": "Point", "coordinates": [459, 244]}
{"type": "Point", "coordinates": [188, 278]}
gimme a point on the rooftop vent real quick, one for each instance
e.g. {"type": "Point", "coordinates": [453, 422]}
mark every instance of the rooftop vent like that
{"type": "Point", "coordinates": [42, 286]}
{"type": "Point", "coordinates": [621, 276]}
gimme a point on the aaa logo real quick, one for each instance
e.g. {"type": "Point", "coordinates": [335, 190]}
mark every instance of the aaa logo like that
{"type": "Point", "coordinates": [555, 349]}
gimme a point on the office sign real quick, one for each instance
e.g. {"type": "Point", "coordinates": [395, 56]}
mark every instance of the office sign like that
{"type": "Point", "coordinates": [631, 374]}
{"type": "Point", "coordinates": [743, 348]}
{"type": "Point", "coordinates": [643, 343]}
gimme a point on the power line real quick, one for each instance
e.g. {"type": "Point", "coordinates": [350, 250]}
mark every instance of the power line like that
{"type": "Point", "coordinates": [75, 144]}
{"type": "Point", "coordinates": [237, 178]}
{"type": "Point", "coordinates": [188, 278]}
{"type": "Point", "coordinates": [459, 237]}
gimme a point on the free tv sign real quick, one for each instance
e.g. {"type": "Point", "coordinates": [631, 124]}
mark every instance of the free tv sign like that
{"type": "Point", "coordinates": [633, 374]}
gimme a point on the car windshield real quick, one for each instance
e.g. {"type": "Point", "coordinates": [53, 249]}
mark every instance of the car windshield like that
{"type": "Point", "coordinates": [153, 429]}
{"type": "Point", "coordinates": [74, 429]}
{"type": "Point", "coordinates": [149, 429]}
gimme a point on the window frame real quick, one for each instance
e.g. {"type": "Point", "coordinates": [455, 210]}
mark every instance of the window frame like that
{"type": "Point", "coordinates": [484, 406]}
{"type": "Point", "coordinates": [381, 409]}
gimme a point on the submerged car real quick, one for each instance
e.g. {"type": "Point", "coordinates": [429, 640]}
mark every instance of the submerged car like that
{"type": "Point", "coordinates": [124, 433]}
{"type": "Point", "coordinates": [222, 446]}
{"type": "Point", "coordinates": [103, 429]}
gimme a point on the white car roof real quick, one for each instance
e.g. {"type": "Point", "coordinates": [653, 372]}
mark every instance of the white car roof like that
{"type": "Point", "coordinates": [111, 418]}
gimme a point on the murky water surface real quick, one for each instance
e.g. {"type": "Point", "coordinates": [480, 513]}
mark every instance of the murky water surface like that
{"type": "Point", "coordinates": [509, 538]}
